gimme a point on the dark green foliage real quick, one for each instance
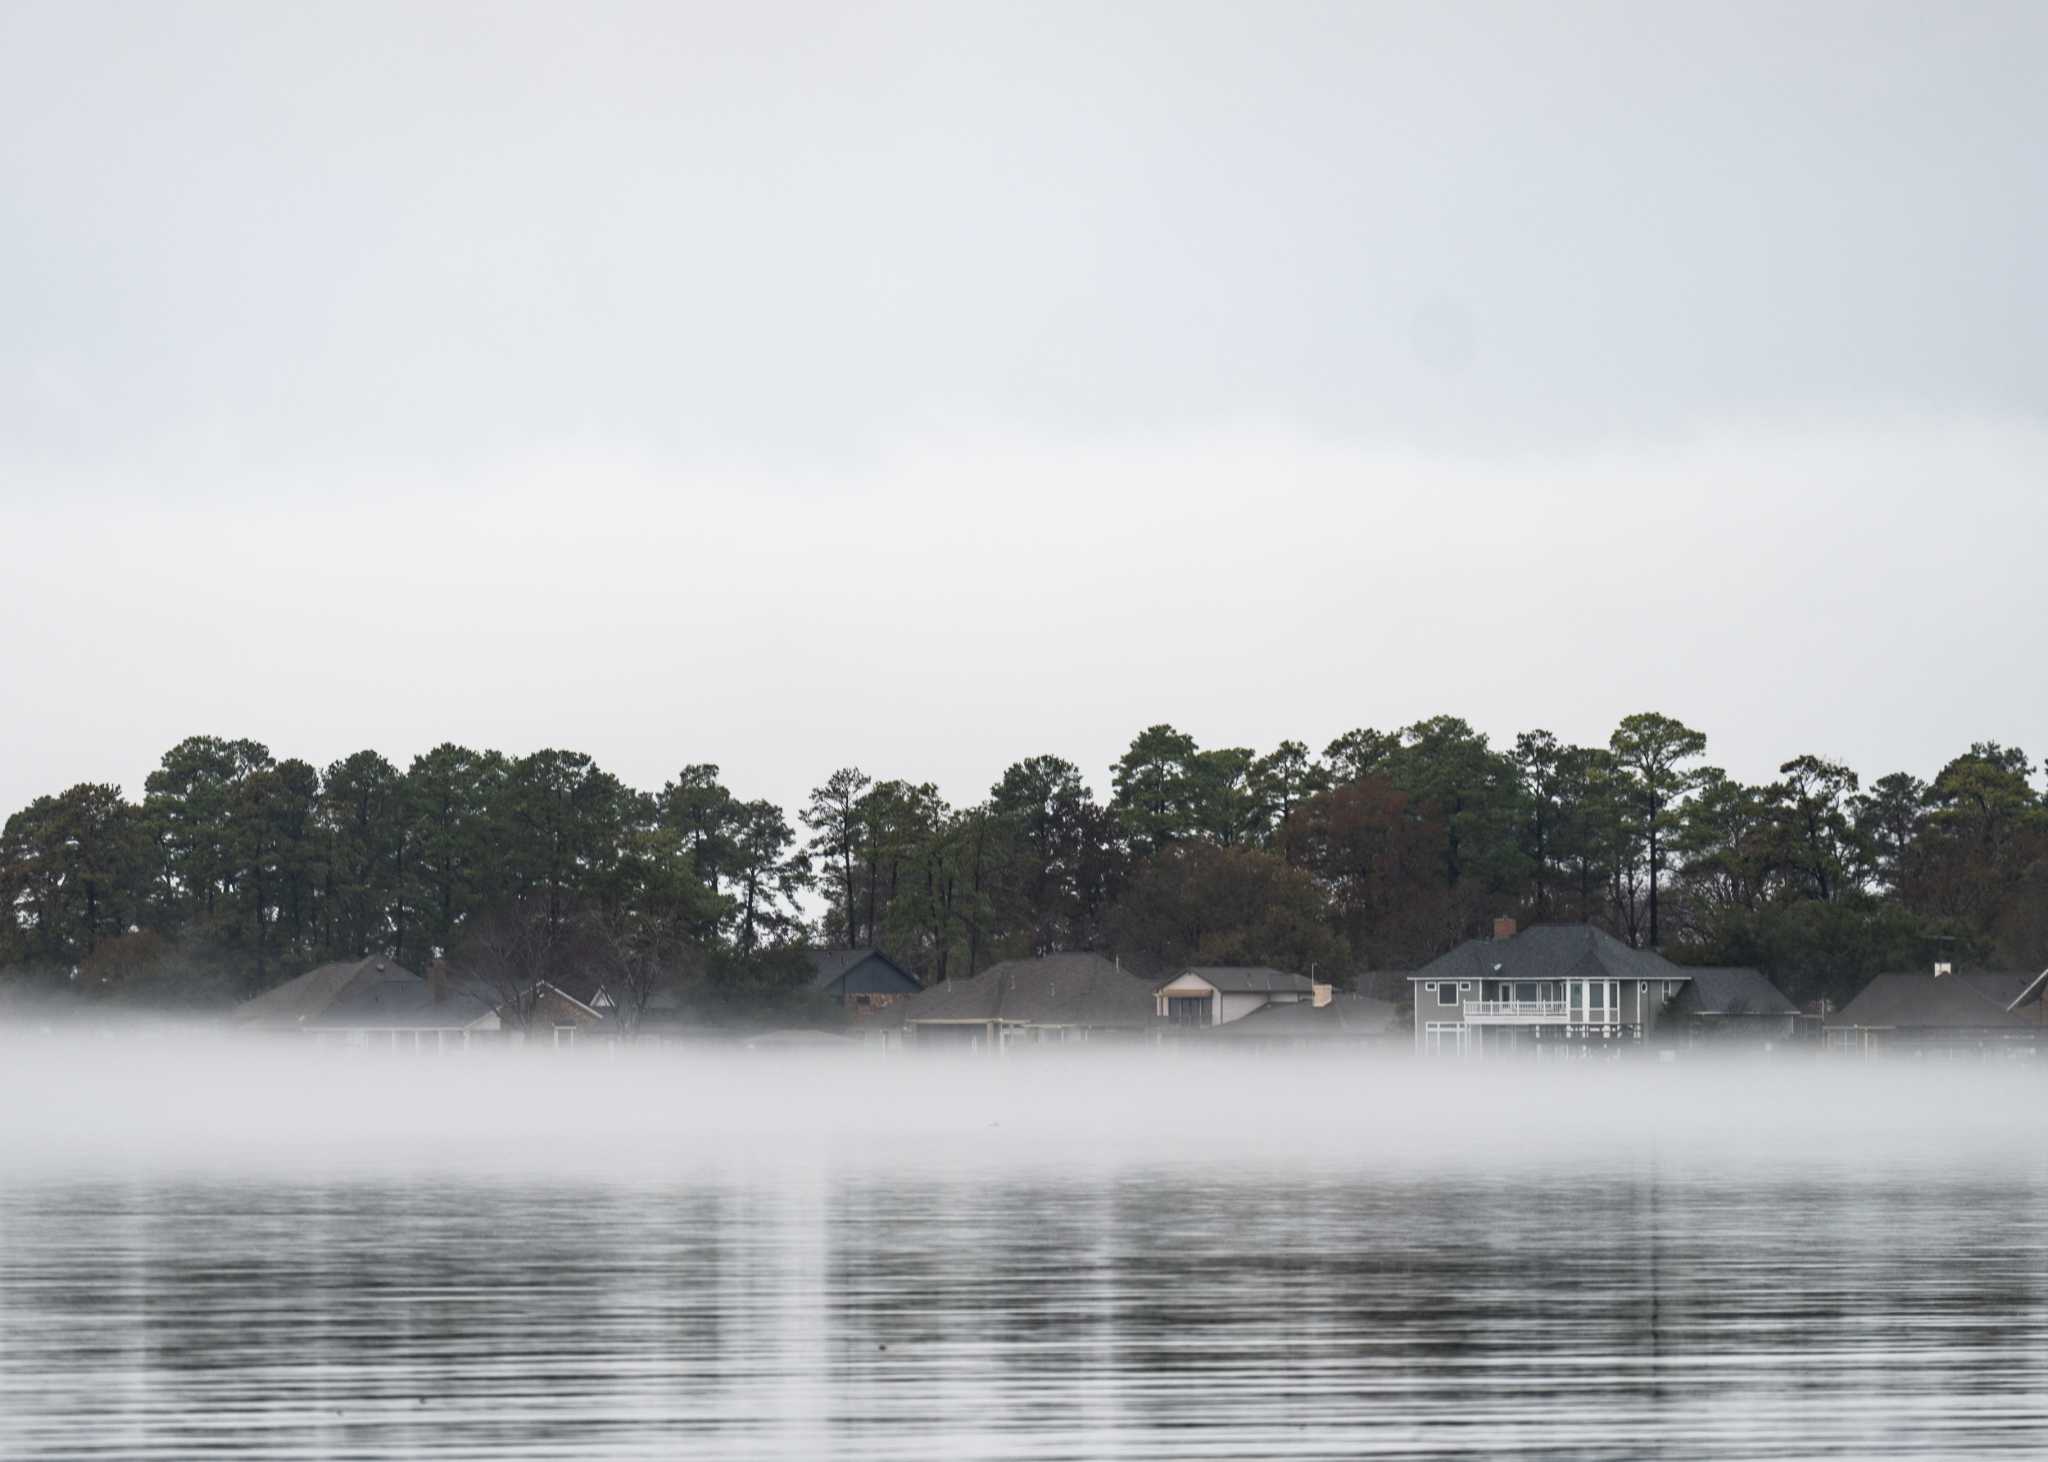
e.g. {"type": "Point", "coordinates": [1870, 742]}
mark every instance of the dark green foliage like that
{"type": "Point", "coordinates": [237, 869]}
{"type": "Point", "coordinates": [1817, 951]}
{"type": "Point", "coordinates": [1648, 751]}
{"type": "Point", "coordinates": [1157, 789]}
{"type": "Point", "coordinates": [1209, 903]}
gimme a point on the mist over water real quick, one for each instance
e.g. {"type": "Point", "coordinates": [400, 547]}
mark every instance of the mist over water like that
{"type": "Point", "coordinates": [210, 1247]}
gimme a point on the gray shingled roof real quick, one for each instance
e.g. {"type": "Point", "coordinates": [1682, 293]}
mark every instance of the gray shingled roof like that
{"type": "Point", "coordinates": [1551, 952]}
{"type": "Point", "coordinates": [1060, 989]}
{"type": "Point", "coordinates": [1346, 1017]}
{"type": "Point", "coordinates": [2032, 992]}
{"type": "Point", "coordinates": [830, 966]}
{"type": "Point", "coordinates": [1247, 980]}
{"type": "Point", "coordinates": [302, 997]}
{"type": "Point", "coordinates": [1936, 1001]}
{"type": "Point", "coordinates": [400, 1000]}
{"type": "Point", "coordinates": [1720, 990]}
{"type": "Point", "coordinates": [376, 993]}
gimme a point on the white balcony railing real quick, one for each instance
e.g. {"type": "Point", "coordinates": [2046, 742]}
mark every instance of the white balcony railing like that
{"type": "Point", "coordinates": [1529, 1009]}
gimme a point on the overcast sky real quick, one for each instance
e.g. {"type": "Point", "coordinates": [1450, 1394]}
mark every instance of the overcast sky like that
{"type": "Point", "coordinates": [925, 388]}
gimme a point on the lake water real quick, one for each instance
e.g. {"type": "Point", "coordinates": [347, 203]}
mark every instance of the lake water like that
{"type": "Point", "coordinates": [972, 1302]}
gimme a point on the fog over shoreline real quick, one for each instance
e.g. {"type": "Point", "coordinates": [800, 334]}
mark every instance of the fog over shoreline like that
{"type": "Point", "coordinates": [185, 1102]}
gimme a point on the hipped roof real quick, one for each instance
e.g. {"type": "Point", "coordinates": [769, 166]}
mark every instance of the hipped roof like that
{"type": "Point", "coordinates": [376, 993]}
{"type": "Point", "coordinates": [1551, 952]}
{"type": "Point", "coordinates": [1060, 989]}
{"type": "Point", "coordinates": [1935, 1001]}
{"type": "Point", "coordinates": [1716, 990]}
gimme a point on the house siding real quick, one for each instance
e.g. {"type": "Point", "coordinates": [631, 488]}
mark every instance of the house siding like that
{"type": "Point", "coordinates": [1235, 1007]}
{"type": "Point", "coordinates": [1640, 1004]}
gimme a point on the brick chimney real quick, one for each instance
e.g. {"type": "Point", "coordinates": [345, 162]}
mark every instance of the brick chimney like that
{"type": "Point", "coordinates": [1503, 928]}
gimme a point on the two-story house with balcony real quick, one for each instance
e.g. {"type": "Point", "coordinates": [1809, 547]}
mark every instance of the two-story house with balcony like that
{"type": "Point", "coordinates": [1554, 990]}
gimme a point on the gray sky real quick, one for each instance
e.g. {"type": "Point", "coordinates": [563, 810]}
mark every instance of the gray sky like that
{"type": "Point", "coordinates": [929, 387]}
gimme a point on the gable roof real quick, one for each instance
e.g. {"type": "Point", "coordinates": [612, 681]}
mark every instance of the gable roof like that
{"type": "Point", "coordinates": [559, 993]}
{"type": "Point", "coordinates": [831, 966]}
{"type": "Point", "coordinates": [1060, 989]}
{"type": "Point", "coordinates": [1722, 990]}
{"type": "Point", "coordinates": [1246, 980]}
{"type": "Point", "coordinates": [1952, 1001]}
{"type": "Point", "coordinates": [579, 983]}
{"type": "Point", "coordinates": [1551, 952]}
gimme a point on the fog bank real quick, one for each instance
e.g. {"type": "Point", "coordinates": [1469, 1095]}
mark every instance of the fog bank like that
{"type": "Point", "coordinates": [188, 1101]}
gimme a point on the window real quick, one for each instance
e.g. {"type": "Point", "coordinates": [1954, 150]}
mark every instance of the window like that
{"type": "Point", "coordinates": [1447, 993]}
{"type": "Point", "coordinates": [1445, 1038]}
{"type": "Point", "coordinates": [1188, 1009]}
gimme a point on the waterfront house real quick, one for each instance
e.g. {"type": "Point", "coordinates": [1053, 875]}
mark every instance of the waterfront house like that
{"type": "Point", "coordinates": [556, 1017]}
{"type": "Point", "coordinates": [1060, 999]}
{"type": "Point", "coordinates": [1942, 1016]}
{"type": "Point", "coordinates": [1726, 1007]}
{"type": "Point", "coordinates": [1219, 994]}
{"type": "Point", "coordinates": [862, 980]}
{"type": "Point", "coordinates": [374, 1004]}
{"type": "Point", "coordinates": [1343, 1022]}
{"type": "Point", "coordinates": [1552, 990]}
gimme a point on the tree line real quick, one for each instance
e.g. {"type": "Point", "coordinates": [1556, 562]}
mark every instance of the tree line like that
{"type": "Point", "coordinates": [237, 869]}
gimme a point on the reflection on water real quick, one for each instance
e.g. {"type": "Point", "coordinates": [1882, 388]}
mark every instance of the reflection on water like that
{"type": "Point", "coordinates": [1169, 1313]}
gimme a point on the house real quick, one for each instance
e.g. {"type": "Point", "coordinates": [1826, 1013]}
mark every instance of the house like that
{"type": "Point", "coordinates": [1344, 1022]}
{"type": "Point", "coordinates": [1061, 998]}
{"type": "Point", "coordinates": [1733, 1006]}
{"type": "Point", "coordinates": [665, 1017]}
{"type": "Point", "coordinates": [1552, 990]}
{"type": "Point", "coordinates": [1218, 994]}
{"type": "Point", "coordinates": [1941, 1016]}
{"type": "Point", "coordinates": [862, 980]}
{"type": "Point", "coordinates": [374, 1004]}
{"type": "Point", "coordinates": [557, 1018]}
